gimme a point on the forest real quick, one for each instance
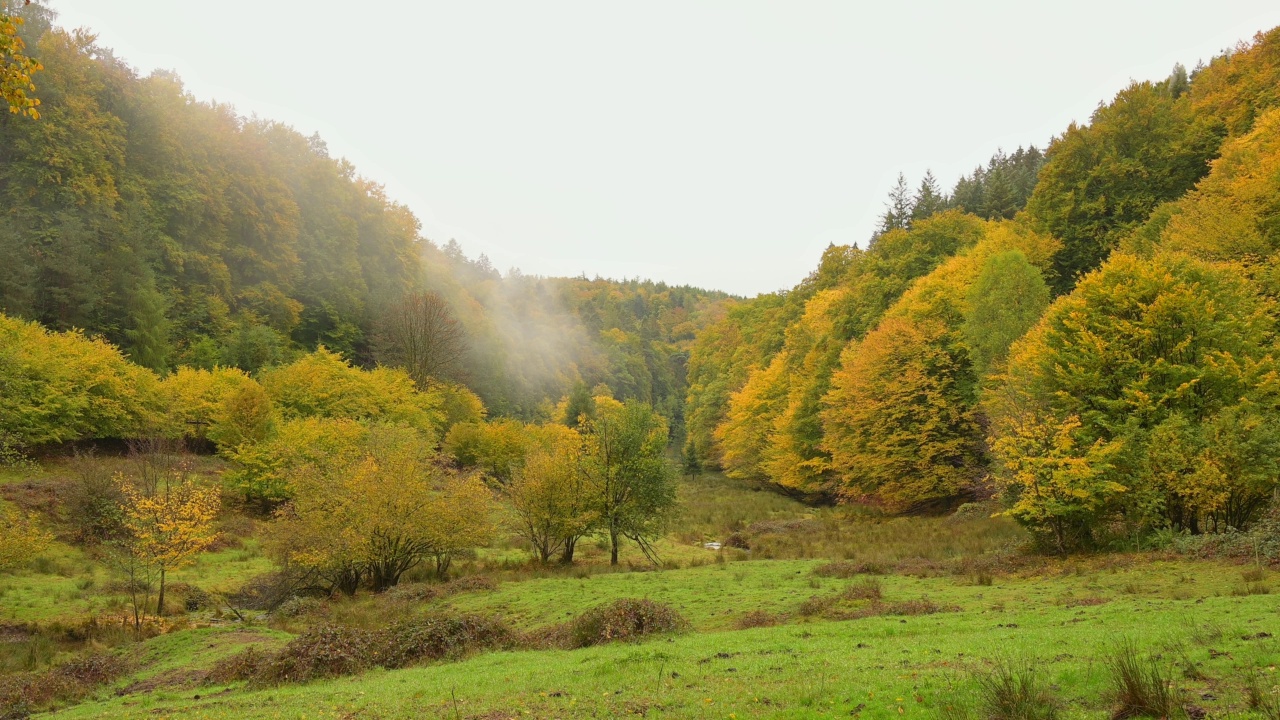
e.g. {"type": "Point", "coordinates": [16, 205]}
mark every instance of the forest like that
{"type": "Point", "coordinates": [1099, 356]}
{"type": "Point", "coordinates": [257, 432]}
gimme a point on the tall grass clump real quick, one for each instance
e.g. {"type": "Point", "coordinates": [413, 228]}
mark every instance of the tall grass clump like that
{"type": "Point", "coordinates": [1141, 686]}
{"type": "Point", "coordinates": [1015, 690]}
{"type": "Point", "coordinates": [1259, 699]}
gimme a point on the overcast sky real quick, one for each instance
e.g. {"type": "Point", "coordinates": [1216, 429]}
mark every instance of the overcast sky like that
{"type": "Point", "coordinates": [720, 144]}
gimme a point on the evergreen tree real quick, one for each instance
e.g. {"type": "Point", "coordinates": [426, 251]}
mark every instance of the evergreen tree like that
{"type": "Point", "coordinates": [929, 199]}
{"type": "Point", "coordinates": [897, 214]}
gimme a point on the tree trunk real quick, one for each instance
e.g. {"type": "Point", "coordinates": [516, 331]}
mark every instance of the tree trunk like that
{"type": "Point", "coordinates": [613, 542]}
{"type": "Point", "coordinates": [566, 556]}
{"type": "Point", "coordinates": [160, 602]}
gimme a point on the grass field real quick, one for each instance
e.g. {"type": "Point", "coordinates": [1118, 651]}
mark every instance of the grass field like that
{"type": "Point", "coordinates": [1067, 616]}
{"type": "Point", "coordinates": [773, 632]}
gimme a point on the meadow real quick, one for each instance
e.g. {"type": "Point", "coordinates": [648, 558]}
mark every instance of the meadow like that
{"type": "Point", "coordinates": [816, 613]}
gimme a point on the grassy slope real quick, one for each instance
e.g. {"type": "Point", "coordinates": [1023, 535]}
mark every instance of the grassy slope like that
{"type": "Point", "coordinates": [800, 670]}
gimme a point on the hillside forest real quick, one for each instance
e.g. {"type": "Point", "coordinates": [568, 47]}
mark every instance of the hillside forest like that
{"type": "Point", "coordinates": [217, 340]}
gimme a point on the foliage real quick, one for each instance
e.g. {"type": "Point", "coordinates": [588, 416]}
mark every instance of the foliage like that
{"type": "Point", "coordinates": [223, 405]}
{"type": "Point", "coordinates": [16, 69]}
{"type": "Point", "coordinates": [497, 447]}
{"type": "Point", "coordinates": [1007, 298]}
{"type": "Point", "coordinates": [64, 386]}
{"type": "Point", "coordinates": [772, 427]}
{"type": "Point", "coordinates": [550, 501]}
{"type": "Point", "coordinates": [631, 482]}
{"type": "Point", "coordinates": [262, 470]}
{"type": "Point", "coordinates": [378, 510]}
{"type": "Point", "coordinates": [1101, 180]}
{"type": "Point", "coordinates": [1145, 389]}
{"type": "Point", "coordinates": [21, 538]}
{"type": "Point", "coordinates": [322, 384]}
{"type": "Point", "coordinates": [898, 427]}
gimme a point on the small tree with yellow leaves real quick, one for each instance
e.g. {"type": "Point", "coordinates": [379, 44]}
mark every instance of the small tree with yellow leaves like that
{"type": "Point", "coordinates": [166, 530]}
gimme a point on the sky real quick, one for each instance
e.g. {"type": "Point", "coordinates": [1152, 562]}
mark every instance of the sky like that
{"type": "Point", "coordinates": [717, 144]}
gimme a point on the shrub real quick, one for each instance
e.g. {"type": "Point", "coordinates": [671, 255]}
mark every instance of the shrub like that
{"type": "Point", "coordinates": [756, 619]}
{"type": "Point", "coordinates": [322, 384]}
{"type": "Point", "coordinates": [245, 665]}
{"type": "Point", "coordinates": [267, 591]}
{"type": "Point", "coordinates": [443, 636]}
{"type": "Point", "coordinates": [24, 693]}
{"type": "Point", "coordinates": [1015, 690]}
{"type": "Point", "coordinates": [299, 606]}
{"type": "Point", "coordinates": [625, 619]}
{"type": "Point", "coordinates": [868, 589]}
{"type": "Point", "coordinates": [328, 651]}
{"type": "Point", "coordinates": [1142, 687]}
{"type": "Point", "coordinates": [60, 386]}
{"type": "Point", "coordinates": [94, 502]}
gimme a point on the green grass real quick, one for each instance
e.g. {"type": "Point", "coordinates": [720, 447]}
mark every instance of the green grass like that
{"type": "Point", "coordinates": [1066, 616]}
{"type": "Point", "coordinates": [802, 669]}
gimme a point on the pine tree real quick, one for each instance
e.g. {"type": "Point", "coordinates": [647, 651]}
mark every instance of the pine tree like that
{"type": "Point", "coordinates": [897, 214]}
{"type": "Point", "coordinates": [929, 198]}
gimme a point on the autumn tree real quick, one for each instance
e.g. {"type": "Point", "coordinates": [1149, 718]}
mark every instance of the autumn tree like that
{"type": "Point", "coordinates": [21, 539]}
{"type": "Point", "coordinates": [899, 423]}
{"type": "Point", "coordinates": [550, 500]}
{"type": "Point", "coordinates": [16, 69]}
{"type": "Point", "coordinates": [377, 510]}
{"type": "Point", "coordinates": [497, 447]}
{"type": "Point", "coordinates": [1166, 366]}
{"type": "Point", "coordinates": [1102, 180]}
{"type": "Point", "coordinates": [631, 482]}
{"type": "Point", "coordinates": [168, 527]}
{"type": "Point", "coordinates": [323, 384]}
{"type": "Point", "coordinates": [262, 471]}
{"type": "Point", "coordinates": [420, 334]}
{"type": "Point", "coordinates": [60, 386]}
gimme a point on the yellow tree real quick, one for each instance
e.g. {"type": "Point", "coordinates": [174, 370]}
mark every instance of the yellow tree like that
{"type": "Point", "coordinates": [16, 69]}
{"type": "Point", "coordinates": [550, 502]}
{"type": "Point", "coordinates": [168, 528]}
{"type": "Point", "coordinates": [20, 538]}
{"type": "Point", "coordinates": [376, 510]}
{"type": "Point", "coordinates": [899, 419]}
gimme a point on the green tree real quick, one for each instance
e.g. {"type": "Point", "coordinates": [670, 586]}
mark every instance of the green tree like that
{"type": "Point", "coordinates": [1005, 301]}
{"type": "Point", "coordinates": [929, 199]}
{"type": "Point", "coordinates": [1101, 180]}
{"type": "Point", "coordinates": [630, 479]}
{"type": "Point", "coordinates": [1165, 366]}
{"type": "Point", "coordinates": [897, 212]}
